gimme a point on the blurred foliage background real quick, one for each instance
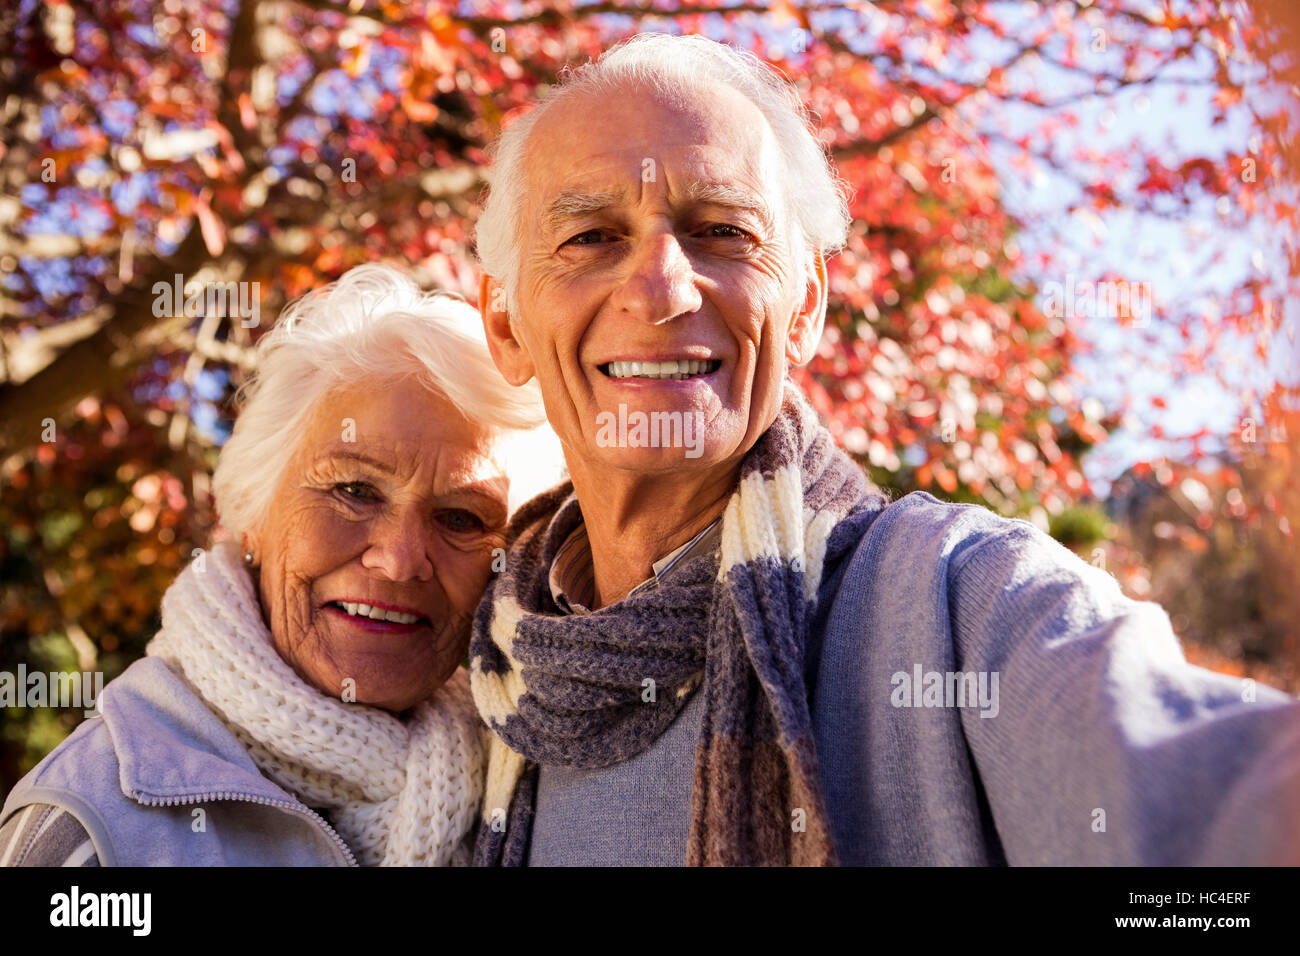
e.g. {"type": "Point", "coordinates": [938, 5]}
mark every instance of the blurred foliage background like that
{"type": "Point", "coordinates": [277, 143]}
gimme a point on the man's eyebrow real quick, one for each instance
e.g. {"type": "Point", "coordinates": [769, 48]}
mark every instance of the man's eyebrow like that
{"type": "Point", "coordinates": [574, 204]}
{"type": "Point", "coordinates": [703, 193]}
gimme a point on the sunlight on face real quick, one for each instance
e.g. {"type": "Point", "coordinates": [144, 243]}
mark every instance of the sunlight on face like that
{"type": "Point", "coordinates": [395, 501]}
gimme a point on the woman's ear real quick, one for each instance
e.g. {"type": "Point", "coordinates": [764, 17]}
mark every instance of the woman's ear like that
{"type": "Point", "coordinates": [248, 545]}
{"type": "Point", "coordinates": [806, 325]}
{"type": "Point", "coordinates": [508, 352]}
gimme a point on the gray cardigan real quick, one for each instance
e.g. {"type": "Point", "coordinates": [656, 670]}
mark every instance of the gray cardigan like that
{"type": "Point", "coordinates": [1089, 741]}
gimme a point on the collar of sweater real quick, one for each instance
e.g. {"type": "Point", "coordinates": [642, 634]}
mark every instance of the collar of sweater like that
{"type": "Point", "coordinates": [170, 746]}
{"type": "Point", "coordinates": [572, 577]}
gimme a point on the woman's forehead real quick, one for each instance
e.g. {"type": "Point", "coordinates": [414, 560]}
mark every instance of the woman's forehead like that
{"type": "Point", "coordinates": [399, 423]}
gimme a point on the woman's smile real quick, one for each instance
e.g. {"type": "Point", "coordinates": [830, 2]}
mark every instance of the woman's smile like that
{"type": "Point", "coordinates": [377, 619]}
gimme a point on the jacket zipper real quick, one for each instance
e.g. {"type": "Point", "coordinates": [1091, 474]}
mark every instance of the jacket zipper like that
{"type": "Point", "coordinates": [297, 808]}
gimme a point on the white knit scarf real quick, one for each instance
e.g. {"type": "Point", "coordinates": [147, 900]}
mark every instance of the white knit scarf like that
{"type": "Point", "coordinates": [400, 792]}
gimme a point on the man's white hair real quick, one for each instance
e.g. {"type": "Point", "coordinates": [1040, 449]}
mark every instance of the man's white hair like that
{"type": "Point", "coordinates": [815, 196]}
{"type": "Point", "coordinates": [372, 326]}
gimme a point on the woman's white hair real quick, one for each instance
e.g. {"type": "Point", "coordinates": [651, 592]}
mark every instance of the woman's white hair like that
{"type": "Point", "coordinates": [370, 327]}
{"type": "Point", "coordinates": [681, 66]}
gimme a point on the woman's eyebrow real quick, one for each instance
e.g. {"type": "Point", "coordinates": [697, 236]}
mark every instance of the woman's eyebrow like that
{"type": "Point", "coordinates": [350, 454]}
{"type": "Point", "coordinates": [488, 491]}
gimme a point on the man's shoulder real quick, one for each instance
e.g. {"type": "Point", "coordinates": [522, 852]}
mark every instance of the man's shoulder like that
{"type": "Point", "coordinates": [921, 532]}
{"type": "Point", "coordinates": [919, 553]}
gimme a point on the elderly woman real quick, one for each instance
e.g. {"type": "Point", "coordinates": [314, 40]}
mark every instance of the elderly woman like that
{"type": "Point", "coordinates": [302, 703]}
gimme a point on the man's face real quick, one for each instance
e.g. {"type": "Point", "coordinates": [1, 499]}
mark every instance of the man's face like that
{"type": "Point", "coordinates": [655, 233]}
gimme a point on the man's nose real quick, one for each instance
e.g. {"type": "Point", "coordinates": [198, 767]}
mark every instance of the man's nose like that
{"type": "Point", "coordinates": [400, 546]}
{"type": "Point", "coordinates": [661, 285]}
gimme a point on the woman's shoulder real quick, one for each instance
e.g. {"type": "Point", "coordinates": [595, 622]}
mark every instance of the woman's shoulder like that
{"type": "Point", "coordinates": [41, 834]}
{"type": "Point", "coordinates": [140, 781]}
{"type": "Point", "coordinates": [56, 813]}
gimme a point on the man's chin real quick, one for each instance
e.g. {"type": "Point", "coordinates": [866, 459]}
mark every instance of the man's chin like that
{"type": "Point", "coordinates": [632, 438]}
{"type": "Point", "coordinates": [664, 461]}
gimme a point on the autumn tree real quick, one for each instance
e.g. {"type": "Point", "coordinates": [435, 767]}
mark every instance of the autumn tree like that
{"type": "Point", "coordinates": [266, 146]}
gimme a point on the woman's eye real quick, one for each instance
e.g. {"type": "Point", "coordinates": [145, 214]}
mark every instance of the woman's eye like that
{"type": "Point", "coordinates": [356, 491]}
{"type": "Point", "coordinates": [462, 522]}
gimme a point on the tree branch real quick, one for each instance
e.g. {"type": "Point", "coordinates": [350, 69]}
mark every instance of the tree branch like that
{"type": "Point", "coordinates": [100, 360]}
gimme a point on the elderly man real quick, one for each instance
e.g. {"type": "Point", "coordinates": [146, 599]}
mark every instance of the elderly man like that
{"type": "Point", "coordinates": [719, 644]}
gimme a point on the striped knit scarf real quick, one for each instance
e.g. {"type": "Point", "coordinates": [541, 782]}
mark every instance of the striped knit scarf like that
{"type": "Point", "coordinates": [596, 689]}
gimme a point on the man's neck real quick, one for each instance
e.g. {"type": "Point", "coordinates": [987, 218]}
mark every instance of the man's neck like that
{"type": "Point", "coordinates": [633, 522]}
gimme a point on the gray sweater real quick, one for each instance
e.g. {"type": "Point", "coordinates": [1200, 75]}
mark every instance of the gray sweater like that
{"type": "Point", "coordinates": [980, 695]}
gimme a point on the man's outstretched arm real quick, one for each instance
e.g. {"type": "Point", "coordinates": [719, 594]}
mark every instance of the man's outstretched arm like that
{"type": "Point", "coordinates": [1108, 747]}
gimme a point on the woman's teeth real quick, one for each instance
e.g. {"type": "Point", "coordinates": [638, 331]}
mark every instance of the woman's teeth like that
{"type": "Point", "coordinates": [684, 368]}
{"type": "Point", "coordinates": [377, 613]}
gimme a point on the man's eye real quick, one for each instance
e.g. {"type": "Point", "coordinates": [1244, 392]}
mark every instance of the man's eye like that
{"type": "Point", "coordinates": [462, 522]}
{"type": "Point", "coordinates": [734, 232]}
{"type": "Point", "coordinates": [356, 491]}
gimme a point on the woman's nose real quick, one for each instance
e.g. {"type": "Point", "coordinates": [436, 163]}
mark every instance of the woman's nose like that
{"type": "Point", "coordinates": [399, 548]}
{"type": "Point", "coordinates": [662, 283]}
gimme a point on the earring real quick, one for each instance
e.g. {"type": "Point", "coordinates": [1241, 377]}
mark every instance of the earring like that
{"type": "Point", "coordinates": [248, 557]}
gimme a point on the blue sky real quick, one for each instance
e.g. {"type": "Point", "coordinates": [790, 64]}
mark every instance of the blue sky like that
{"type": "Point", "coordinates": [1175, 257]}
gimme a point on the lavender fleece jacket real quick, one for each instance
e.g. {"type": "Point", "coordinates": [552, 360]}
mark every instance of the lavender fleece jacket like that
{"type": "Point", "coordinates": [1102, 745]}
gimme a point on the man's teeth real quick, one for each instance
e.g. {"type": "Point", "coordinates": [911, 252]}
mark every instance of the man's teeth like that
{"type": "Point", "coordinates": [683, 368]}
{"type": "Point", "coordinates": [377, 613]}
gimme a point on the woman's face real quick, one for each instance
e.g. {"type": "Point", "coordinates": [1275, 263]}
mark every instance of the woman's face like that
{"type": "Point", "coordinates": [379, 542]}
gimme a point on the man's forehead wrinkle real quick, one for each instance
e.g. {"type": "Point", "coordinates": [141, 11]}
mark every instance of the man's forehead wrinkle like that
{"type": "Point", "coordinates": [738, 167]}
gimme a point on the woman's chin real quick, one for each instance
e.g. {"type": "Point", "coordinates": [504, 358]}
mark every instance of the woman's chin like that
{"type": "Point", "coordinates": [396, 704]}
{"type": "Point", "coordinates": [395, 692]}
{"type": "Point", "coordinates": [394, 676]}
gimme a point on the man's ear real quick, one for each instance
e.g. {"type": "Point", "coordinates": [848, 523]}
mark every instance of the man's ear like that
{"type": "Point", "coordinates": [806, 326]}
{"type": "Point", "coordinates": [509, 354]}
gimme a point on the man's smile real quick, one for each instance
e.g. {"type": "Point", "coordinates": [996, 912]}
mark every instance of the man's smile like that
{"type": "Point", "coordinates": [678, 369]}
